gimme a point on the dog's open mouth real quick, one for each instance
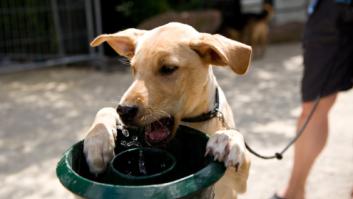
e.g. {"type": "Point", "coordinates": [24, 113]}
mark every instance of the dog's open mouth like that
{"type": "Point", "coordinates": [159, 131]}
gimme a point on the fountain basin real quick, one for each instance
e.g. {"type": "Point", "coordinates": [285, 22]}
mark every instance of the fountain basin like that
{"type": "Point", "coordinates": [192, 177]}
{"type": "Point", "coordinates": [142, 165]}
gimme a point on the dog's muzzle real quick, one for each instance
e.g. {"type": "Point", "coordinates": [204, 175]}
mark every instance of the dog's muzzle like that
{"type": "Point", "coordinates": [127, 113]}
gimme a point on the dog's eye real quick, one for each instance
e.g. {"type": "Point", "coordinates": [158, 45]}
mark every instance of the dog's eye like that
{"type": "Point", "coordinates": [167, 69]}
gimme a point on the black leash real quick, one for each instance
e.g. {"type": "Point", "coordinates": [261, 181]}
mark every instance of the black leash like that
{"type": "Point", "coordinates": [279, 155]}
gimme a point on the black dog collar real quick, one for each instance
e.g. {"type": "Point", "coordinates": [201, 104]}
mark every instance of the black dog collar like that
{"type": "Point", "coordinates": [206, 116]}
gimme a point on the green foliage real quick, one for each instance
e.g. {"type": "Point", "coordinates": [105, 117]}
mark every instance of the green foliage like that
{"type": "Point", "coordinates": [138, 10]}
{"type": "Point", "coordinates": [181, 5]}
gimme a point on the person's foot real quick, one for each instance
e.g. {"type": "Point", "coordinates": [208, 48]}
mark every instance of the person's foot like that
{"type": "Point", "coordinates": [287, 194]}
{"type": "Point", "coordinates": [276, 196]}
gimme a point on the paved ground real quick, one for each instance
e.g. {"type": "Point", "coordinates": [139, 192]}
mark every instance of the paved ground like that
{"type": "Point", "coordinates": [44, 112]}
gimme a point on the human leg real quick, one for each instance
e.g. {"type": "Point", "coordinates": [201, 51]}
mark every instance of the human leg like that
{"type": "Point", "coordinates": [308, 146]}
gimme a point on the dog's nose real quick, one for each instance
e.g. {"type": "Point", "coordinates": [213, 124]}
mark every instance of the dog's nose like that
{"type": "Point", "coordinates": [127, 113]}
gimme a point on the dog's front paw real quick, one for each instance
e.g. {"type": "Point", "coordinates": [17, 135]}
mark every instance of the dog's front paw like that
{"type": "Point", "coordinates": [99, 143]}
{"type": "Point", "coordinates": [227, 146]}
{"type": "Point", "coordinates": [99, 147]}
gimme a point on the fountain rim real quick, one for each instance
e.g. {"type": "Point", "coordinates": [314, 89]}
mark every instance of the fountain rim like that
{"type": "Point", "coordinates": [84, 187]}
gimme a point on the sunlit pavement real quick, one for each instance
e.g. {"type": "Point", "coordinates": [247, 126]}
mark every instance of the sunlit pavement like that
{"type": "Point", "coordinates": [44, 112]}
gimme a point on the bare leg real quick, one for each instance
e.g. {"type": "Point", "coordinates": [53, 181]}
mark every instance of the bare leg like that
{"type": "Point", "coordinates": [308, 146]}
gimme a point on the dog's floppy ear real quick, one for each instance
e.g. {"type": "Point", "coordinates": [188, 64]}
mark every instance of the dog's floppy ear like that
{"type": "Point", "coordinates": [221, 51]}
{"type": "Point", "coordinates": [122, 42]}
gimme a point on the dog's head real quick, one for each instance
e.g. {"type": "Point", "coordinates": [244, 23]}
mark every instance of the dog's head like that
{"type": "Point", "coordinates": [171, 70]}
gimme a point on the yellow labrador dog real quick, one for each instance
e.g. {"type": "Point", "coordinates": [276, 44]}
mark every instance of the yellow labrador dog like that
{"type": "Point", "coordinates": [173, 83]}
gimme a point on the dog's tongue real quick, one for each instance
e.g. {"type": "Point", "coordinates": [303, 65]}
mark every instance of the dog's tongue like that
{"type": "Point", "coordinates": [156, 133]}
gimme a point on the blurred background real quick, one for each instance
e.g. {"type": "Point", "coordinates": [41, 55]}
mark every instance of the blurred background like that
{"type": "Point", "coordinates": [36, 34]}
{"type": "Point", "coordinates": [52, 84]}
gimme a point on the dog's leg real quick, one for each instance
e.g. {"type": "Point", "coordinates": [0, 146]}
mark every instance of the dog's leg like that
{"type": "Point", "coordinates": [99, 143]}
{"type": "Point", "coordinates": [228, 146]}
{"type": "Point", "coordinates": [263, 42]}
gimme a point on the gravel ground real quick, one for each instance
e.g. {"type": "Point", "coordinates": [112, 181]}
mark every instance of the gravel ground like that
{"type": "Point", "coordinates": [44, 112]}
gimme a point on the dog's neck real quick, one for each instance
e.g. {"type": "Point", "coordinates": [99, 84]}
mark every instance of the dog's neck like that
{"type": "Point", "coordinates": [209, 96]}
{"type": "Point", "coordinates": [205, 97]}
